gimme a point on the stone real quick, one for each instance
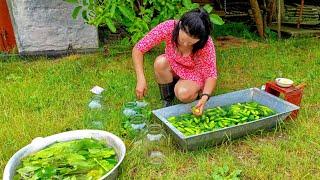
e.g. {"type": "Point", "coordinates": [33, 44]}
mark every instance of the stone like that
{"type": "Point", "coordinates": [46, 26]}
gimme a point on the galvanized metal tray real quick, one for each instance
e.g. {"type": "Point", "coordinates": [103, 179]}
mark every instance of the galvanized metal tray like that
{"type": "Point", "coordinates": [283, 109]}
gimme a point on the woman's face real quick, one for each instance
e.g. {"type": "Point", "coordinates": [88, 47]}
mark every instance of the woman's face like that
{"type": "Point", "coordinates": [186, 40]}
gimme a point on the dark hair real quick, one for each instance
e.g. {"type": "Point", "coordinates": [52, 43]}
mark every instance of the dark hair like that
{"type": "Point", "coordinates": [195, 23]}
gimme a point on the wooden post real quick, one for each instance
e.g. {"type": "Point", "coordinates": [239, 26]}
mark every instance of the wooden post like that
{"type": "Point", "coordinates": [258, 17]}
{"type": "Point", "coordinates": [300, 14]}
{"type": "Point", "coordinates": [279, 19]}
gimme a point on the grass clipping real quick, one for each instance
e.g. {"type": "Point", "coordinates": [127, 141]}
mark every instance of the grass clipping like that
{"type": "Point", "coordinates": [78, 159]}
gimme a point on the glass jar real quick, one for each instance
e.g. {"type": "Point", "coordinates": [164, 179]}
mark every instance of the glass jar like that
{"type": "Point", "coordinates": [154, 143]}
{"type": "Point", "coordinates": [137, 122]}
{"type": "Point", "coordinates": [130, 109]}
{"type": "Point", "coordinates": [95, 116]}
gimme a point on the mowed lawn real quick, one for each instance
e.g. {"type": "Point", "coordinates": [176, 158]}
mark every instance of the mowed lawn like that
{"type": "Point", "coordinates": [41, 97]}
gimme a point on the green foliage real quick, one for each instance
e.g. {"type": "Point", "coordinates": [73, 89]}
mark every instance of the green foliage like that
{"type": "Point", "coordinates": [271, 35]}
{"type": "Point", "coordinates": [215, 19]}
{"type": "Point", "coordinates": [223, 173]}
{"type": "Point", "coordinates": [78, 159]}
{"type": "Point", "coordinates": [110, 13]}
{"type": "Point", "coordinates": [235, 29]}
{"type": "Point", "coordinates": [137, 16]}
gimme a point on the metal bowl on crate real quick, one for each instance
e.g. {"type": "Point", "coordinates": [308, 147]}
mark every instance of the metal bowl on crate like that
{"type": "Point", "coordinates": [215, 137]}
{"type": "Point", "coordinates": [40, 143]}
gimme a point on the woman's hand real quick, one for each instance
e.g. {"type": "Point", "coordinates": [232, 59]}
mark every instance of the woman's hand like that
{"type": "Point", "coordinates": [141, 89]}
{"type": "Point", "coordinates": [209, 86]}
{"type": "Point", "coordinates": [198, 109]}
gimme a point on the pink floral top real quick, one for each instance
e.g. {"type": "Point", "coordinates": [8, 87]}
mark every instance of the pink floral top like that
{"type": "Point", "coordinates": [196, 67]}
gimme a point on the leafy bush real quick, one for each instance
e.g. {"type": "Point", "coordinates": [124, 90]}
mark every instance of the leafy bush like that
{"type": "Point", "coordinates": [242, 30]}
{"type": "Point", "coordinates": [137, 16]}
{"type": "Point", "coordinates": [237, 29]}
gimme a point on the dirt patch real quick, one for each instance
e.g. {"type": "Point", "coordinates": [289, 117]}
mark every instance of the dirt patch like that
{"type": "Point", "coordinates": [133, 172]}
{"type": "Point", "coordinates": [225, 42]}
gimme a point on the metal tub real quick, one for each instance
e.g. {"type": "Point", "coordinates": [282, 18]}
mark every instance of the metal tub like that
{"type": "Point", "coordinates": [282, 108]}
{"type": "Point", "coordinates": [40, 143]}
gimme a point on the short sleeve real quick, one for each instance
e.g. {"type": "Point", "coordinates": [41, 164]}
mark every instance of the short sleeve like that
{"type": "Point", "coordinates": [208, 65]}
{"type": "Point", "coordinates": [156, 36]}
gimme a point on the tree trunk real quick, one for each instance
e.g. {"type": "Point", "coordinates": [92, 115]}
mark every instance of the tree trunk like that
{"type": "Point", "coordinates": [264, 17]}
{"type": "Point", "coordinates": [258, 17]}
{"type": "Point", "coordinates": [271, 9]}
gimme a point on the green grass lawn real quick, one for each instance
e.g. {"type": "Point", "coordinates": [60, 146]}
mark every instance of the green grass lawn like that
{"type": "Point", "coordinates": [41, 97]}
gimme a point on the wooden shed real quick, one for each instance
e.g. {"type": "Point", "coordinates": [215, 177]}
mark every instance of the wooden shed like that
{"type": "Point", "coordinates": [293, 17]}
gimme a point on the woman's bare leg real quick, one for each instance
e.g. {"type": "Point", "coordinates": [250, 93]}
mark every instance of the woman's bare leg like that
{"type": "Point", "coordinates": [186, 90]}
{"type": "Point", "coordinates": [162, 70]}
{"type": "Point", "coordinates": [164, 78]}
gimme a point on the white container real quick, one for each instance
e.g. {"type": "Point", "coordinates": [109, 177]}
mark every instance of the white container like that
{"type": "Point", "coordinates": [40, 143]}
{"type": "Point", "coordinates": [284, 82]}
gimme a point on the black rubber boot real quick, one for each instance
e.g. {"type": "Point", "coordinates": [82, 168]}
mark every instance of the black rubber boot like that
{"type": "Point", "coordinates": [167, 93]}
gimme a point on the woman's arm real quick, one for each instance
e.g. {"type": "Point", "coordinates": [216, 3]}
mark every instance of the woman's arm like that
{"type": "Point", "coordinates": [209, 87]}
{"type": "Point", "coordinates": [154, 37]}
{"type": "Point", "coordinates": [141, 88]}
{"type": "Point", "coordinates": [209, 71]}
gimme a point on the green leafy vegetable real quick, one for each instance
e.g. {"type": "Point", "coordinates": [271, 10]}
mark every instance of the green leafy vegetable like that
{"type": "Point", "coordinates": [78, 159]}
